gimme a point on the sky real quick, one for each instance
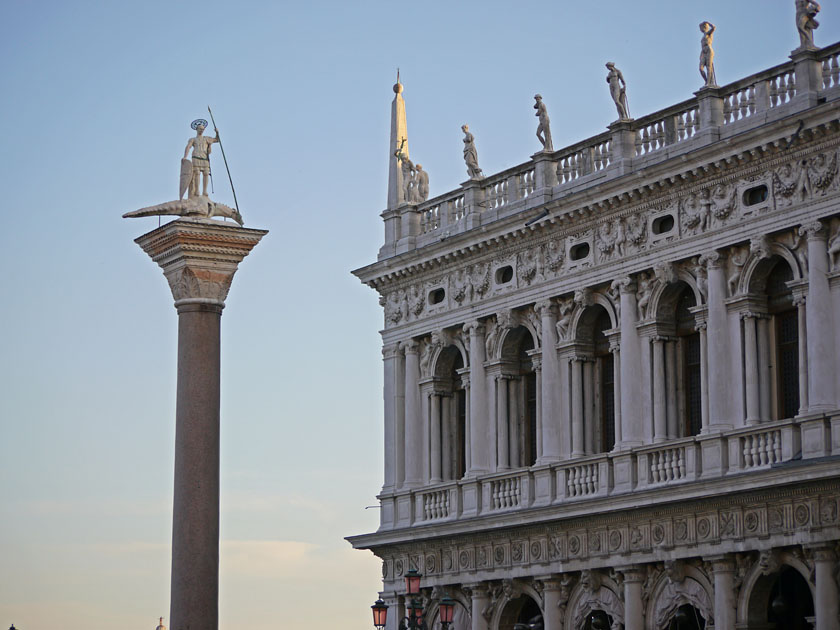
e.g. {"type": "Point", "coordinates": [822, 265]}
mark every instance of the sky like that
{"type": "Point", "coordinates": [96, 99]}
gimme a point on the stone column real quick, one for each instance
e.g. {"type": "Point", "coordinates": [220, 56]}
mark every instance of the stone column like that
{"type": "Point", "coordinates": [413, 420]}
{"type": "Point", "coordinates": [723, 569]}
{"type": "Point", "coordinates": [478, 443]}
{"type": "Point", "coordinates": [802, 330]}
{"type": "Point", "coordinates": [820, 342]}
{"type": "Point", "coordinates": [550, 386]}
{"type": "Point", "coordinates": [704, 378]}
{"type": "Point", "coordinates": [659, 419]}
{"type": "Point", "coordinates": [390, 355]}
{"type": "Point", "coordinates": [671, 376]}
{"type": "Point", "coordinates": [502, 424]}
{"type": "Point", "coordinates": [577, 407]}
{"type": "Point", "coordinates": [825, 604]}
{"type": "Point", "coordinates": [765, 404]}
{"type": "Point", "coordinates": [589, 406]}
{"type": "Point", "coordinates": [616, 352]}
{"type": "Point", "coordinates": [446, 438]}
{"type": "Point", "coordinates": [634, 612]}
{"type": "Point", "coordinates": [632, 430]}
{"type": "Point", "coordinates": [435, 438]}
{"type": "Point", "coordinates": [552, 597]}
{"type": "Point", "coordinates": [480, 599]}
{"type": "Point", "coordinates": [718, 345]}
{"type": "Point", "coordinates": [751, 368]}
{"type": "Point", "coordinates": [199, 260]}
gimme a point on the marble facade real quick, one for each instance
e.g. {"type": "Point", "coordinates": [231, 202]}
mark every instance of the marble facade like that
{"type": "Point", "coordinates": [612, 373]}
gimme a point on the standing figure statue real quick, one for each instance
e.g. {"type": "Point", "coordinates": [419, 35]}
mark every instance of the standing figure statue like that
{"type": "Point", "coordinates": [707, 54]}
{"type": "Point", "coordinates": [201, 146]}
{"type": "Point", "coordinates": [806, 11]}
{"type": "Point", "coordinates": [407, 170]}
{"type": "Point", "coordinates": [471, 154]}
{"type": "Point", "coordinates": [421, 184]}
{"type": "Point", "coordinates": [618, 91]}
{"type": "Point", "coordinates": [544, 128]}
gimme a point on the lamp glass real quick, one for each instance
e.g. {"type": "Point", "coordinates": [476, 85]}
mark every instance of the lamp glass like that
{"type": "Point", "coordinates": [380, 613]}
{"type": "Point", "coordinates": [447, 610]}
{"type": "Point", "coordinates": [412, 582]}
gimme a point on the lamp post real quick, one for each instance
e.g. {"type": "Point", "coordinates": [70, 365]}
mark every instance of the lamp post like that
{"type": "Point", "coordinates": [414, 620]}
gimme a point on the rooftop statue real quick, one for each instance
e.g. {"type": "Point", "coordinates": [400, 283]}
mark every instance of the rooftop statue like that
{"type": "Point", "coordinates": [707, 54]}
{"type": "Point", "coordinates": [407, 170]}
{"type": "Point", "coordinates": [195, 205]}
{"type": "Point", "coordinates": [806, 12]}
{"type": "Point", "coordinates": [421, 184]}
{"type": "Point", "coordinates": [544, 128]}
{"type": "Point", "coordinates": [618, 91]}
{"type": "Point", "coordinates": [471, 154]}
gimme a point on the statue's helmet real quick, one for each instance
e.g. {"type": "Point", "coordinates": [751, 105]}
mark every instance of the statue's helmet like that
{"type": "Point", "coordinates": [198, 122]}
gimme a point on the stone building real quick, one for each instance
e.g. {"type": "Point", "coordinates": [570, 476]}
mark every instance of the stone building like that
{"type": "Point", "coordinates": [612, 373]}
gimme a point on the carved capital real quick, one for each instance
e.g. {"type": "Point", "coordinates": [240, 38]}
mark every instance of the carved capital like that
{"type": "Point", "coordinates": [410, 346]}
{"type": "Point", "coordinates": [474, 328]}
{"type": "Point", "coordinates": [723, 563]}
{"type": "Point", "coordinates": [199, 258]}
{"type": "Point", "coordinates": [545, 308]}
{"type": "Point", "coordinates": [712, 260]}
{"type": "Point", "coordinates": [823, 553]}
{"type": "Point", "coordinates": [390, 351]}
{"type": "Point", "coordinates": [584, 297]}
{"type": "Point", "coordinates": [632, 574]}
{"type": "Point", "coordinates": [815, 230]}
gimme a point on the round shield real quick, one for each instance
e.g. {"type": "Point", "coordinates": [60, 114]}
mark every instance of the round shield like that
{"type": "Point", "coordinates": [198, 121]}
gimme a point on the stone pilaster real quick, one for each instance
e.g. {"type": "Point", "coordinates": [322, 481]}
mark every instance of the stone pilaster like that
{"type": "Point", "coordinates": [390, 357]}
{"type": "Point", "coordinates": [719, 345]}
{"type": "Point", "coordinates": [413, 424]}
{"type": "Point", "coordinates": [199, 259]}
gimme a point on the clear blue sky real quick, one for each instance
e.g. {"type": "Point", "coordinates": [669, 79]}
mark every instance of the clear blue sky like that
{"type": "Point", "coordinates": [95, 107]}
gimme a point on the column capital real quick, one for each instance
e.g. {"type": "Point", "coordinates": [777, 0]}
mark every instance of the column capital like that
{"type": "Point", "coordinates": [814, 230]}
{"type": "Point", "coordinates": [721, 563]}
{"type": "Point", "coordinates": [633, 573]}
{"type": "Point", "coordinates": [624, 285]}
{"type": "Point", "coordinates": [545, 308]}
{"type": "Point", "coordinates": [409, 346]}
{"type": "Point", "coordinates": [474, 327]}
{"type": "Point", "coordinates": [822, 552]}
{"type": "Point", "coordinates": [391, 350]}
{"type": "Point", "coordinates": [712, 260]}
{"type": "Point", "coordinates": [199, 257]}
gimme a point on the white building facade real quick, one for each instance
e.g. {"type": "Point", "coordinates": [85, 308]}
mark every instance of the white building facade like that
{"type": "Point", "coordinates": [612, 373]}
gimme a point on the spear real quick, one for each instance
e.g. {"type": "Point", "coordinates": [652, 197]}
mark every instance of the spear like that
{"type": "Point", "coordinates": [221, 146]}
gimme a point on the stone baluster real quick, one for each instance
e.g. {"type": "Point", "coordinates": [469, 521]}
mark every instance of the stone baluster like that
{"type": "Point", "coordinates": [479, 459]}
{"type": "Point", "coordinates": [390, 357]}
{"type": "Point", "coordinates": [632, 431]}
{"type": "Point", "coordinates": [413, 419]}
{"type": "Point", "coordinates": [723, 571]}
{"type": "Point", "coordinates": [634, 613]}
{"type": "Point", "coordinates": [550, 385]}
{"type": "Point", "coordinates": [825, 604]}
{"type": "Point", "coordinates": [751, 368]}
{"type": "Point", "coordinates": [820, 337]}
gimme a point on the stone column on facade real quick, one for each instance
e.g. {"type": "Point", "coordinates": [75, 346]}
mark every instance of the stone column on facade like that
{"type": "Point", "coordinates": [751, 368]}
{"type": "Point", "coordinates": [659, 418]}
{"type": "Point", "coordinates": [723, 570]}
{"type": "Point", "coordinates": [820, 338]}
{"type": "Point", "coordinates": [800, 302]}
{"type": "Point", "coordinates": [550, 386]}
{"type": "Point", "coordinates": [514, 433]}
{"type": "Point", "coordinates": [446, 438]}
{"type": "Point", "coordinates": [199, 260]}
{"type": "Point", "coordinates": [577, 407]}
{"type": "Point", "coordinates": [390, 354]}
{"type": "Point", "coordinates": [704, 378]}
{"type": "Point", "coordinates": [424, 446]}
{"type": "Point", "coordinates": [634, 612]}
{"type": "Point", "coordinates": [589, 406]}
{"type": "Point", "coordinates": [826, 601]}
{"type": "Point", "coordinates": [537, 365]}
{"type": "Point", "coordinates": [502, 424]}
{"type": "Point", "coordinates": [479, 600]}
{"type": "Point", "coordinates": [552, 589]}
{"type": "Point", "coordinates": [616, 352]}
{"type": "Point", "coordinates": [413, 420]}
{"type": "Point", "coordinates": [671, 373]}
{"type": "Point", "coordinates": [765, 403]}
{"type": "Point", "coordinates": [478, 442]}
{"type": "Point", "coordinates": [435, 441]}
{"type": "Point", "coordinates": [718, 345]}
{"type": "Point", "coordinates": [632, 431]}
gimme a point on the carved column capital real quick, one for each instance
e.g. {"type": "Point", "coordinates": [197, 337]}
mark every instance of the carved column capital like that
{"type": "Point", "coordinates": [712, 260]}
{"type": "Point", "coordinates": [625, 285]}
{"type": "Point", "coordinates": [545, 308]}
{"type": "Point", "coordinates": [815, 229]}
{"type": "Point", "coordinates": [390, 350]}
{"type": "Point", "coordinates": [199, 258]}
{"type": "Point", "coordinates": [633, 574]}
{"type": "Point", "coordinates": [409, 346]}
{"type": "Point", "coordinates": [823, 552]}
{"type": "Point", "coordinates": [474, 327]}
{"type": "Point", "coordinates": [723, 563]}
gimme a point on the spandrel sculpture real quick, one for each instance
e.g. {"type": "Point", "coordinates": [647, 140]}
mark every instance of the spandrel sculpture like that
{"type": "Point", "coordinates": [806, 12]}
{"type": "Point", "coordinates": [195, 174]}
{"type": "Point", "coordinates": [471, 154]}
{"type": "Point", "coordinates": [707, 54]}
{"type": "Point", "coordinates": [544, 128]}
{"type": "Point", "coordinates": [618, 91]}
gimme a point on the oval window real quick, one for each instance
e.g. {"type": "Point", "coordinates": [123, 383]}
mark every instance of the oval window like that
{"type": "Point", "coordinates": [755, 195]}
{"type": "Point", "coordinates": [664, 224]}
{"type": "Point", "coordinates": [579, 251]}
{"type": "Point", "coordinates": [504, 274]}
{"type": "Point", "coordinates": [437, 296]}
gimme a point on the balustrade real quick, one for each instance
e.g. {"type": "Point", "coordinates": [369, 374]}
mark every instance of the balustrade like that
{"type": "Point", "coordinates": [782, 88]}
{"type": "Point", "coordinates": [496, 194]}
{"type": "Point", "coordinates": [831, 71]}
{"type": "Point", "coordinates": [739, 105]}
{"type": "Point", "coordinates": [762, 448]}
{"type": "Point", "coordinates": [504, 493]}
{"type": "Point", "coordinates": [581, 480]}
{"type": "Point", "coordinates": [435, 505]}
{"type": "Point", "coordinates": [430, 219]}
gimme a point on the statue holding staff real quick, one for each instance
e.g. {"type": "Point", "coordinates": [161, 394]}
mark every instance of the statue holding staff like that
{"type": "Point", "coordinates": [407, 171]}
{"type": "Point", "coordinates": [707, 54]}
{"type": "Point", "coordinates": [471, 154]}
{"type": "Point", "coordinates": [806, 11]}
{"type": "Point", "coordinates": [201, 146]}
{"type": "Point", "coordinates": [618, 91]}
{"type": "Point", "coordinates": [544, 128]}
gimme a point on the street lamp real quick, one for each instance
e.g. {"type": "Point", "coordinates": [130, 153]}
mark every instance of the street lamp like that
{"type": "Point", "coordinates": [414, 608]}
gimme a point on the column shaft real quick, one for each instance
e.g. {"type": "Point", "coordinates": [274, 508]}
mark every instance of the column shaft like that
{"type": "Point", "coordinates": [577, 408]}
{"type": "Point", "coordinates": [820, 337]}
{"type": "Point", "coordinates": [632, 431]}
{"type": "Point", "coordinates": [704, 381]}
{"type": "Point", "coordinates": [634, 614]}
{"type": "Point", "coordinates": [801, 319]}
{"type": "Point", "coordinates": [718, 347]}
{"type": "Point", "coordinates": [514, 424]}
{"type": "Point", "coordinates": [589, 407]}
{"type": "Point", "coordinates": [724, 573]}
{"type": "Point", "coordinates": [765, 403]}
{"type": "Point", "coordinates": [659, 418]}
{"type": "Point", "coordinates": [479, 459]}
{"type": "Point", "coordinates": [825, 606]}
{"type": "Point", "coordinates": [503, 444]}
{"type": "Point", "coordinates": [413, 419]}
{"type": "Point", "coordinates": [751, 370]}
{"type": "Point", "coordinates": [194, 597]}
{"type": "Point", "coordinates": [436, 456]}
{"type": "Point", "coordinates": [446, 435]}
{"type": "Point", "coordinates": [549, 388]}
{"type": "Point", "coordinates": [671, 378]}
{"type": "Point", "coordinates": [389, 358]}
{"type": "Point", "coordinates": [617, 395]}
{"type": "Point", "coordinates": [480, 601]}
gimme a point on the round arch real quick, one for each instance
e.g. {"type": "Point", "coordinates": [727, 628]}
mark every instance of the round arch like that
{"type": "Point", "coordinates": [461, 619]}
{"type": "Point", "coordinates": [584, 600]}
{"type": "Point", "coordinates": [667, 596]}
{"type": "Point", "coordinates": [581, 317]}
{"type": "Point", "coordinates": [446, 357]}
{"type": "Point", "coordinates": [753, 582]}
{"type": "Point", "coordinates": [759, 264]}
{"type": "Point", "coordinates": [663, 297]}
{"type": "Point", "coordinates": [511, 605]}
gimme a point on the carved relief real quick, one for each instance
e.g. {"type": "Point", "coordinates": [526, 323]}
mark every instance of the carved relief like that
{"type": "Point", "coordinates": [480, 279]}
{"type": "Point", "coordinates": [643, 292]}
{"type": "Point", "coordinates": [554, 253]}
{"type": "Point", "coordinates": [791, 184]}
{"type": "Point", "coordinates": [611, 239]}
{"type": "Point", "coordinates": [695, 213]}
{"type": "Point", "coordinates": [526, 268]}
{"type": "Point", "coordinates": [735, 264]}
{"type": "Point", "coordinates": [636, 232]}
{"type": "Point", "coordinates": [821, 173]}
{"type": "Point", "coordinates": [461, 287]}
{"type": "Point", "coordinates": [724, 201]}
{"type": "Point", "coordinates": [674, 595]}
{"type": "Point", "coordinates": [565, 308]}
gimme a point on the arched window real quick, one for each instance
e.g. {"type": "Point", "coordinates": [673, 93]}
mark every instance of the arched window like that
{"type": "Point", "coordinates": [448, 408]}
{"type": "Point", "coordinates": [784, 333]}
{"type": "Point", "coordinates": [604, 438]}
{"type": "Point", "coordinates": [689, 377]}
{"type": "Point", "coordinates": [517, 396]}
